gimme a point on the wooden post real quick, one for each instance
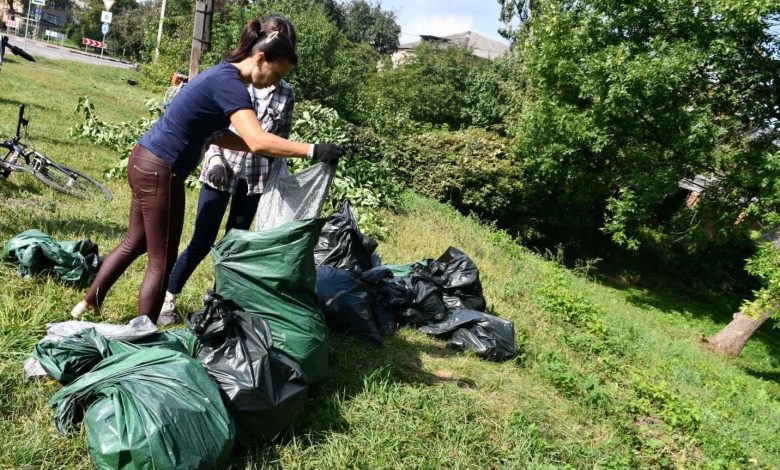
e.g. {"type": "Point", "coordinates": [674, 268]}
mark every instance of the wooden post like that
{"type": "Point", "coordinates": [201, 33]}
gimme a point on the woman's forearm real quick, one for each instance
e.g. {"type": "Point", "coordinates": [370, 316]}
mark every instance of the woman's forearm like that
{"type": "Point", "coordinates": [256, 140]}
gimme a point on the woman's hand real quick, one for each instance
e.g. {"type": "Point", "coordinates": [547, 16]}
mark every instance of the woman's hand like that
{"type": "Point", "coordinates": [327, 153]}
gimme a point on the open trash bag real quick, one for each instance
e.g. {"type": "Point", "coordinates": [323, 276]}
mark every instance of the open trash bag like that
{"type": "Point", "coordinates": [149, 409]}
{"type": "Point", "coordinates": [489, 336]}
{"type": "Point", "coordinates": [72, 262]}
{"type": "Point", "coordinates": [342, 245]}
{"type": "Point", "coordinates": [271, 274]}
{"type": "Point", "coordinates": [289, 197]}
{"type": "Point", "coordinates": [264, 389]}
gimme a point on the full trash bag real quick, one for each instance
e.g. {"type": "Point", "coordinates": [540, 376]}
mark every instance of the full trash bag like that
{"type": "Point", "coordinates": [264, 389]}
{"type": "Point", "coordinates": [289, 197]}
{"type": "Point", "coordinates": [346, 303]}
{"type": "Point", "coordinates": [272, 274]}
{"type": "Point", "coordinates": [342, 245]}
{"type": "Point", "coordinates": [135, 329]}
{"type": "Point", "coordinates": [422, 303]}
{"type": "Point", "coordinates": [458, 276]}
{"type": "Point", "coordinates": [149, 409]}
{"type": "Point", "coordinates": [489, 336]}
{"type": "Point", "coordinates": [66, 359]}
{"type": "Point", "coordinates": [72, 262]}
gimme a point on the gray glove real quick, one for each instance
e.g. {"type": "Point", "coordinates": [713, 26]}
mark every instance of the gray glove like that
{"type": "Point", "coordinates": [219, 172]}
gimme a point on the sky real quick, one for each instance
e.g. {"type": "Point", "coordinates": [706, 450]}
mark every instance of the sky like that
{"type": "Point", "coordinates": [443, 17]}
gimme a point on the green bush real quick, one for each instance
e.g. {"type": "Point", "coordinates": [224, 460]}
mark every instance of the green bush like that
{"type": "Point", "coordinates": [175, 46]}
{"type": "Point", "coordinates": [469, 168]}
{"type": "Point", "coordinates": [426, 92]}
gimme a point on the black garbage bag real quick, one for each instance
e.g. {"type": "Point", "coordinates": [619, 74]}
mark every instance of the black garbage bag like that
{"type": "Point", "coordinates": [422, 303]}
{"type": "Point", "coordinates": [458, 277]}
{"type": "Point", "coordinates": [489, 336]}
{"type": "Point", "coordinates": [264, 389]}
{"type": "Point", "coordinates": [67, 359]}
{"type": "Point", "coordinates": [72, 262]}
{"type": "Point", "coordinates": [148, 409]}
{"type": "Point", "coordinates": [347, 303]}
{"type": "Point", "coordinates": [342, 245]}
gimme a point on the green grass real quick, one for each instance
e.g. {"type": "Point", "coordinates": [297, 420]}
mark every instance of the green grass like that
{"type": "Point", "coordinates": [607, 377]}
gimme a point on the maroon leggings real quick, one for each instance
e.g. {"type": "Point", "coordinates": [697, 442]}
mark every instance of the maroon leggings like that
{"type": "Point", "coordinates": [156, 217]}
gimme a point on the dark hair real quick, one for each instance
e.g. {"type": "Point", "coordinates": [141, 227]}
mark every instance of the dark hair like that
{"type": "Point", "coordinates": [274, 36]}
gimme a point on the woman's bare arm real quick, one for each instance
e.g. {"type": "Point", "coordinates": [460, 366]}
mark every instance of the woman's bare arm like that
{"type": "Point", "coordinates": [254, 139]}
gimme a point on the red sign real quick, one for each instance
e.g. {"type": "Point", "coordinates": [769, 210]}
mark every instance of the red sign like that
{"type": "Point", "coordinates": [93, 43]}
{"type": "Point", "coordinates": [11, 24]}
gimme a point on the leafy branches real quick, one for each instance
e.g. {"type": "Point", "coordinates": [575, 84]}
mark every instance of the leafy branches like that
{"type": "Point", "coordinates": [121, 137]}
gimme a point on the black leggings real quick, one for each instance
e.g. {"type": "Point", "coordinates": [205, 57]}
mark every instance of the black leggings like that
{"type": "Point", "coordinates": [154, 226]}
{"type": "Point", "coordinates": [211, 207]}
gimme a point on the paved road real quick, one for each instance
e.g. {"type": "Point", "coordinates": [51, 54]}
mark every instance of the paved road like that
{"type": "Point", "coordinates": [53, 51]}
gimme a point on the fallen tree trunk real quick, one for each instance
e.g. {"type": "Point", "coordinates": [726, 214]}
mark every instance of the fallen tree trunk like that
{"type": "Point", "coordinates": [733, 337]}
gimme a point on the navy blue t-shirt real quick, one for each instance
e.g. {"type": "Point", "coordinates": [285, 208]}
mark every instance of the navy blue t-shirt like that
{"type": "Point", "coordinates": [201, 108]}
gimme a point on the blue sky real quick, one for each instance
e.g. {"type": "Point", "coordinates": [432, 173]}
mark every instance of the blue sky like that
{"type": "Point", "coordinates": [442, 17]}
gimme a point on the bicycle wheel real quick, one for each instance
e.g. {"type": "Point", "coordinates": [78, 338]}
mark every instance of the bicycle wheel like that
{"type": "Point", "coordinates": [67, 180]}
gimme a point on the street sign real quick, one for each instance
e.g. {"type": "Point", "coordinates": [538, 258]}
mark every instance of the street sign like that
{"type": "Point", "coordinates": [38, 2]}
{"type": "Point", "coordinates": [108, 4]}
{"type": "Point", "coordinates": [93, 43]}
{"type": "Point", "coordinates": [105, 17]}
{"type": "Point", "coordinates": [104, 28]}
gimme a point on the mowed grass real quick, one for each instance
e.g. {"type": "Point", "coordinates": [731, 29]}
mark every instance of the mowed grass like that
{"type": "Point", "coordinates": [607, 377]}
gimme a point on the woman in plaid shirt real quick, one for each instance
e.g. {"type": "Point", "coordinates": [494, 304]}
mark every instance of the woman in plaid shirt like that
{"type": "Point", "coordinates": [234, 178]}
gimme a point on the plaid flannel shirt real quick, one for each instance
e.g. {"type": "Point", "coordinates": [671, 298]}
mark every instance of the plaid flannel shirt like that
{"type": "Point", "coordinates": [274, 108]}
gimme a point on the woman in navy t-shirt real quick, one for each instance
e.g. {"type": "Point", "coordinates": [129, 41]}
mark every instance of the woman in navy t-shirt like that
{"type": "Point", "coordinates": [200, 114]}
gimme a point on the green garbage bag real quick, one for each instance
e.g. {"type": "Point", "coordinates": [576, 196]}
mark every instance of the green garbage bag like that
{"type": "Point", "coordinates": [73, 262]}
{"type": "Point", "coordinates": [67, 359]}
{"type": "Point", "coordinates": [272, 274]}
{"type": "Point", "coordinates": [148, 409]}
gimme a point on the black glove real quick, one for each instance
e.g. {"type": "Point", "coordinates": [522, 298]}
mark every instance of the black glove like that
{"type": "Point", "coordinates": [327, 153]}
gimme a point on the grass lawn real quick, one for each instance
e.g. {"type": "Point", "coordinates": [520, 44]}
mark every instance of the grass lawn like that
{"type": "Point", "coordinates": [608, 377]}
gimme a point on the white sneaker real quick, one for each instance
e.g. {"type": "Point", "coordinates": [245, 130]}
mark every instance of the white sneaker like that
{"type": "Point", "coordinates": [168, 311]}
{"type": "Point", "coordinates": [80, 309]}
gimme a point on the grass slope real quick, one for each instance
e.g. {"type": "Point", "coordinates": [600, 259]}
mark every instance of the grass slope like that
{"type": "Point", "coordinates": [607, 377]}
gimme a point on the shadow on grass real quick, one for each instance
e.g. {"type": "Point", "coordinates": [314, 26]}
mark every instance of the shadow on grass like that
{"type": "Point", "coordinates": [770, 376]}
{"type": "Point", "coordinates": [354, 365]}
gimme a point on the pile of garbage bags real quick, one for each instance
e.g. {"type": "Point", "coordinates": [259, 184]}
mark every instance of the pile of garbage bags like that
{"type": "Point", "coordinates": [71, 262]}
{"type": "Point", "coordinates": [443, 297]}
{"type": "Point", "coordinates": [240, 372]}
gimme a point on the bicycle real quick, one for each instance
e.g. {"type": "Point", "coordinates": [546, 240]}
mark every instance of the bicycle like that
{"type": "Point", "coordinates": [5, 44]}
{"type": "Point", "coordinates": [21, 157]}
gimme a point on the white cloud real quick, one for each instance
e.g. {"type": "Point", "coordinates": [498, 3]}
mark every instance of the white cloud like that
{"type": "Point", "coordinates": [436, 25]}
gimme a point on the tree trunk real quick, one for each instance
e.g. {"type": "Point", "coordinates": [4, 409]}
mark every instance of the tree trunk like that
{"type": "Point", "coordinates": [731, 339]}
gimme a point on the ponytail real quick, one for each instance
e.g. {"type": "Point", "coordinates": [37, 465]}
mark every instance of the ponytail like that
{"type": "Point", "coordinates": [275, 37]}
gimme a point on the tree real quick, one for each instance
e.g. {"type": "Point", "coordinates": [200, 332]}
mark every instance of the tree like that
{"type": "Point", "coordinates": [427, 91]}
{"type": "Point", "coordinates": [86, 23]}
{"type": "Point", "coordinates": [126, 35]}
{"type": "Point", "coordinates": [513, 11]}
{"type": "Point", "coordinates": [765, 265]}
{"type": "Point", "coordinates": [616, 102]}
{"type": "Point", "coordinates": [367, 22]}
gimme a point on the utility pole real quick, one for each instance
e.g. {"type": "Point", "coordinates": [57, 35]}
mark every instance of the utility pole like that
{"type": "Point", "coordinates": [201, 33]}
{"type": "Point", "coordinates": [159, 30]}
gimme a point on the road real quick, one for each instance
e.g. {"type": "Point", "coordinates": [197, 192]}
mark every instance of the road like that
{"type": "Point", "coordinates": [53, 51]}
